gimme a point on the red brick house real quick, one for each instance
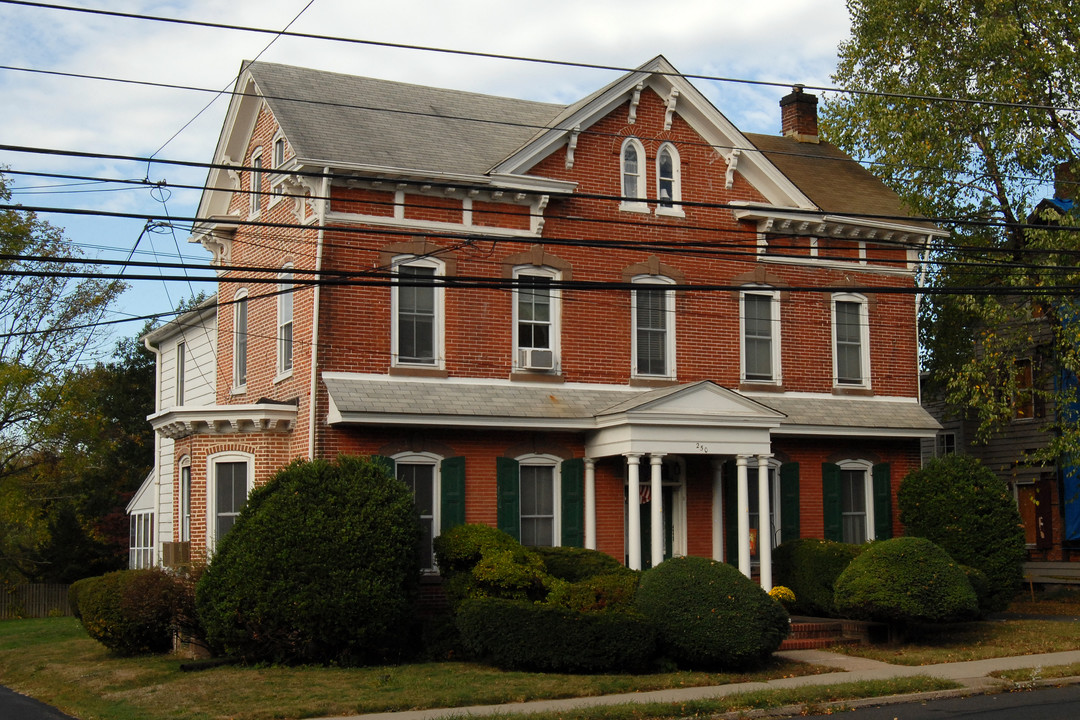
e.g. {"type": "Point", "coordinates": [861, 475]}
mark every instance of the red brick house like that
{"type": "Point", "coordinates": [620, 324]}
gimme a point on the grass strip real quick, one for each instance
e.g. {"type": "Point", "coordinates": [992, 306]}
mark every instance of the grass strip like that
{"type": "Point", "coordinates": [1039, 673]}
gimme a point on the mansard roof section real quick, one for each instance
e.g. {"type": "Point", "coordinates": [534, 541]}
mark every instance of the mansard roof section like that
{"type": "Point", "coordinates": [661, 76]}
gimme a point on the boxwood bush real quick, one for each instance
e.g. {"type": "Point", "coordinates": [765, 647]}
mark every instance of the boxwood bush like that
{"type": "Point", "coordinates": [514, 634]}
{"type": "Point", "coordinates": [322, 566]}
{"type": "Point", "coordinates": [573, 564]}
{"type": "Point", "coordinates": [810, 567]}
{"type": "Point", "coordinates": [478, 561]}
{"type": "Point", "coordinates": [905, 580]}
{"type": "Point", "coordinates": [129, 611]}
{"type": "Point", "coordinates": [960, 504]}
{"type": "Point", "coordinates": [709, 615]}
{"type": "Point", "coordinates": [599, 593]}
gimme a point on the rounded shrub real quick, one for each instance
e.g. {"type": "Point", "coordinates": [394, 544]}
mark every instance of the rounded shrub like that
{"type": "Point", "coordinates": [322, 566]}
{"type": "Point", "coordinates": [809, 567]}
{"type": "Point", "coordinates": [573, 564]}
{"type": "Point", "coordinates": [980, 585]}
{"type": "Point", "coordinates": [599, 593]}
{"type": "Point", "coordinates": [961, 505]}
{"type": "Point", "coordinates": [905, 580]}
{"type": "Point", "coordinates": [709, 615]}
{"type": "Point", "coordinates": [129, 611]}
{"type": "Point", "coordinates": [461, 547]}
{"type": "Point", "coordinates": [478, 561]}
{"type": "Point", "coordinates": [514, 634]}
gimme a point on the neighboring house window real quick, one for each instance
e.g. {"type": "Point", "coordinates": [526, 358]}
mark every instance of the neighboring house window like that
{"type": "Point", "coordinates": [230, 483]}
{"type": "Point", "coordinates": [851, 345]}
{"type": "Point", "coordinates": [536, 317]}
{"type": "Point", "coordinates": [857, 500]}
{"type": "Point", "coordinates": [632, 160]}
{"type": "Point", "coordinates": [417, 313]}
{"type": "Point", "coordinates": [668, 180]}
{"type": "Point", "coordinates": [240, 339]}
{"type": "Point", "coordinates": [285, 323]}
{"type": "Point", "coordinates": [255, 196]}
{"type": "Point", "coordinates": [181, 351]}
{"type": "Point", "coordinates": [945, 444]}
{"type": "Point", "coordinates": [761, 336]}
{"type": "Point", "coordinates": [654, 328]}
{"type": "Point", "coordinates": [185, 500]}
{"type": "Point", "coordinates": [141, 543]}
{"type": "Point", "coordinates": [1024, 399]}
{"type": "Point", "coordinates": [279, 152]}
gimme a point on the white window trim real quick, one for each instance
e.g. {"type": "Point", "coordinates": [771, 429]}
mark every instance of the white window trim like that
{"type": "Point", "coordinates": [240, 298]}
{"type": "Point", "coordinates": [774, 323]}
{"type": "Point", "coordinates": [255, 184]}
{"type": "Point", "coordinates": [279, 137]}
{"type": "Point", "coordinates": [540, 460]}
{"type": "Point", "coordinates": [669, 340]}
{"type": "Point", "coordinates": [639, 205]}
{"type": "Point", "coordinates": [556, 316]}
{"type": "Point", "coordinates": [277, 171]}
{"type": "Point", "coordinates": [676, 209]}
{"type": "Point", "coordinates": [435, 461]}
{"type": "Point", "coordinates": [864, 340]}
{"type": "Point", "coordinates": [285, 278]}
{"type": "Point", "coordinates": [211, 490]}
{"type": "Point", "coordinates": [141, 551]}
{"type": "Point", "coordinates": [439, 330]}
{"type": "Point", "coordinates": [867, 468]}
{"type": "Point", "coordinates": [184, 532]}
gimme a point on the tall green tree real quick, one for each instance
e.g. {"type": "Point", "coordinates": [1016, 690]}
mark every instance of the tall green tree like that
{"type": "Point", "coordinates": [47, 327]}
{"type": "Point", "coordinates": [979, 162]}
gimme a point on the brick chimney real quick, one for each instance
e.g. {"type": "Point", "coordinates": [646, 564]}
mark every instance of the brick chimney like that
{"type": "Point", "coordinates": [798, 115]}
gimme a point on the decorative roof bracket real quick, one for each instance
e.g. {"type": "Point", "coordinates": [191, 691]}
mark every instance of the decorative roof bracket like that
{"type": "Point", "coordinates": [732, 165]}
{"type": "Point", "coordinates": [672, 98]}
{"type": "Point", "coordinates": [572, 146]}
{"type": "Point", "coordinates": [635, 99]}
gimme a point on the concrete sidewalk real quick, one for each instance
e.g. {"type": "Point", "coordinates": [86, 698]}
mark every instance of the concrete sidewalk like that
{"type": "Point", "coordinates": [974, 673]}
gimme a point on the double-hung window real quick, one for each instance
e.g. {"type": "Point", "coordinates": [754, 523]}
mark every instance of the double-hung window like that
{"type": "Point", "coordinates": [185, 501]}
{"type": "Point", "coordinates": [537, 504]}
{"type": "Point", "coordinates": [285, 323]}
{"type": "Point", "coordinates": [240, 340]}
{"type": "Point", "coordinates": [851, 341]}
{"type": "Point", "coordinates": [761, 337]}
{"type": "Point", "coordinates": [230, 483]}
{"type": "Point", "coordinates": [632, 163]}
{"type": "Point", "coordinates": [417, 313]}
{"type": "Point", "coordinates": [420, 476]}
{"type": "Point", "coordinates": [255, 194]}
{"type": "Point", "coordinates": [536, 319]}
{"type": "Point", "coordinates": [654, 328]}
{"type": "Point", "coordinates": [279, 152]}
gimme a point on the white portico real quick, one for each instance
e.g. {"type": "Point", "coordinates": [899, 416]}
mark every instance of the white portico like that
{"type": "Point", "coordinates": [697, 419]}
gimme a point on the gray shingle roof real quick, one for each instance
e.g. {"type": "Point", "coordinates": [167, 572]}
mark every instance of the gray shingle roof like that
{"type": "Point", "coordinates": [357, 120]}
{"type": "Point", "coordinates": [840, 412]}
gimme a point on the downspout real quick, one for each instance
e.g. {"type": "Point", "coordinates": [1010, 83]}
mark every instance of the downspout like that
{"type": "Point", "coordinates": [157, 451]}
{"type": "Point", "coordinates": [324, 202]}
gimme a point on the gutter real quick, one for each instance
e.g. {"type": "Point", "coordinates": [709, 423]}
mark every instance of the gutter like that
{"type": "Point", "coordinates": [324, 203]}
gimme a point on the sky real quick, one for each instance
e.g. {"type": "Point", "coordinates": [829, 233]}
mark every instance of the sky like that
{"type": "Point", "coordinates": [781, 41]}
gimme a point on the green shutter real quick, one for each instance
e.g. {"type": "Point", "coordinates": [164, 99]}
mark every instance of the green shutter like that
{"type": "Point", "coordinates": [731, 514]}
{"type": "Point", "coordinates": [386, 463]}
{"type": "Point", "coordinates": [789, 501]}
{"type": "Point", "coordinates": [508, 490]}
{"type": "Point", "coordinates": [830, 499]}
{"type": "Point", "coordinates": [573, 503]}
{"type": "Point", "coordinates": [452, 488]}
{"type": "Point", "coordinates": [882, 502]}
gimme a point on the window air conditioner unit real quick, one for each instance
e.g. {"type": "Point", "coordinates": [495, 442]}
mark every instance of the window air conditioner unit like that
{"type": "Point", "coordinates": [537, 359]}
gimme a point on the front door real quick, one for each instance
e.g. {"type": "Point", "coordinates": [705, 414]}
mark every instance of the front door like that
{"type": "Point", "coordinates": [646, 525]}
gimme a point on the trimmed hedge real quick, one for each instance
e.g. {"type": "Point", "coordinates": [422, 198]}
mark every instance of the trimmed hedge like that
{"type": "Point", "coordinates": [478, 561]}
{"type": "Point", "coordinates": [527, 636]}
{"type": "Point", "coordinates": [810, 567]}
{"type": "Point", "coordinates": [129, 611]}
{"type": "Point", "coordinates": [599, 593]}
{"type": "Point", "coordinates": [573, 564]}
{"type": "Point", "coordinates": [322, 566]}
{"type": "Point", "coordinates": [709, 615]}
{"type": "Point", "coordinates": [905, 580]}
{"type": "Point", "coordinates": [961, 505]}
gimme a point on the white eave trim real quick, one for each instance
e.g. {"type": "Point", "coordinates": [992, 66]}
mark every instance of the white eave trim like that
{"type": "Point", "coordinates": [495, 180]}
{"type": "Point", "coordinates": [841, 431]}
{"type": "Point", "coordinates": [179, 422]}
{"type": "Point", "coordinates": [817, 224]}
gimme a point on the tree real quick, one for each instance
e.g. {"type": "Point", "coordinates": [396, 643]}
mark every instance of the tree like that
{"type": "Point", "coordinates": [980, 162]}
{"type": "Point", "coordinates": [47, 327]}
{"type": "Point", "coordinates": [959, 504]}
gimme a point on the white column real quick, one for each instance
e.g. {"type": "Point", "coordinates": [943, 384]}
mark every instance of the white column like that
{"type": "Point", "coordinates": [657, 509]}
{"type": "Point", "coordinates": [717, 510]}
{"type": "Point", "coordinates": [743, 512]}
{"type": "Point", "coordinates": [590, 503]}
{"type": "Point", "coordinates": [633, 517]}
{"type": "Point", "coordinates": [765, 528]}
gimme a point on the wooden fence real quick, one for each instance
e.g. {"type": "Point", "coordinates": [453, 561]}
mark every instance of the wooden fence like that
{"type": "Point", "coordinates": [33, 601]}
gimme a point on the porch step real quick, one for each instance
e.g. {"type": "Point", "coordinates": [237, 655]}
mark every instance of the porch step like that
{"type": "Point", "coordinates": [814, 635]}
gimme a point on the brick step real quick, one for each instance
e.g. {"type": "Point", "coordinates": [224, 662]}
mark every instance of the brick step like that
{"type": "Point", "coordinates": [793, 643]}
{"type": "Point", "coordinates": [817, 629]}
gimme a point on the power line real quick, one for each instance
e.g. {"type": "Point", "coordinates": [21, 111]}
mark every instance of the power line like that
{"type": "Point", "coordinates": [526, 59]}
